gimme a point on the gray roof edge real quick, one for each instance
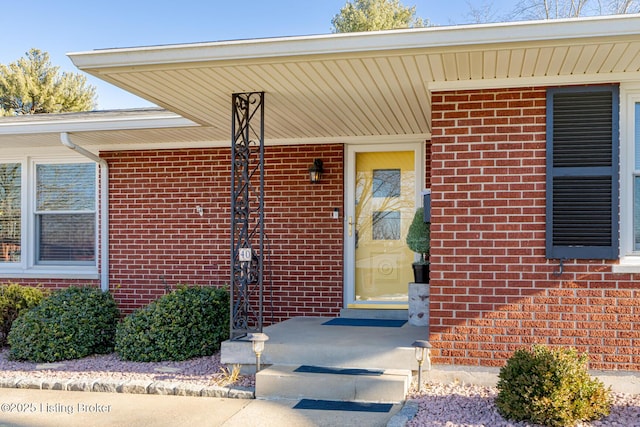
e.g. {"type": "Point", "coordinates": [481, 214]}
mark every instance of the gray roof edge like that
{"type": "Point", "coordinates": [133, 118]}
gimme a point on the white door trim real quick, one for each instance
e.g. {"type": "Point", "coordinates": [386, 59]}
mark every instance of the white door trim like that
{"type": "Point", "coordinates": [349, 202]}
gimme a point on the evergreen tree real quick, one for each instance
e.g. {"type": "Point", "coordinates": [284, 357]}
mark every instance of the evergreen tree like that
{"type": "Point", "coordinates": [31, 85]}
{"type": "Point", "coordinates": [373, 15]}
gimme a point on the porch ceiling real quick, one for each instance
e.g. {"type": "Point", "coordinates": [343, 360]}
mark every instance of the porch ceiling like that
{"type": "Point", "coordinates": [332, 88]}
{"type": "Point", "coordinates": [341, 86]}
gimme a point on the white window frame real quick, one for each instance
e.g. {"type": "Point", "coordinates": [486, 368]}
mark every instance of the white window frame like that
{"type": "Point", "coordinates": [28, 266]}
{"type": "Point", "coordinates": [629, 97]}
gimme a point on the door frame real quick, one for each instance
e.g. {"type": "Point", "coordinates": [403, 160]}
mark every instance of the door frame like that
{"type": "Point", "coordinates": [349, 211]}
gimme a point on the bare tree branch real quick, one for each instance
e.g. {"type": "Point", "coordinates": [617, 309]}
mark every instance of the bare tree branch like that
{"type": "Point", "coordinates": [555, 9]}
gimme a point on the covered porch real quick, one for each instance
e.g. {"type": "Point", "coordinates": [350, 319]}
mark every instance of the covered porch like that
{"type": "Point", "coordinates": [345, 358]}
{"type": "Point", "coordinates": [363, 88]}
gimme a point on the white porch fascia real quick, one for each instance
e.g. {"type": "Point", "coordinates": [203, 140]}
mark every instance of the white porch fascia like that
{"type": "Point", "coordinates": [349, 43]}
{"type": "Point", "coordinates": [367, 86]}
{"type": "Point", "coordinates": [91, 121]}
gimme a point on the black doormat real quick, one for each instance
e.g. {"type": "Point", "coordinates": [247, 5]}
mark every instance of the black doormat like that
{"type": "Point", "coordinates": [338, 371]}
{"type": "Point", "coordinates": [380, 323]}
{"type": "Point", "coordinates": [335, 405]}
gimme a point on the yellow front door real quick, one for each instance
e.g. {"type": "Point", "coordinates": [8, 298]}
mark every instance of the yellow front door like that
{"type": "Point", "coordinates": [384, 204]}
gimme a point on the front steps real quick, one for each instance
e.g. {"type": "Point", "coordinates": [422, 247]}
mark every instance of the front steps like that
{"type": "Point", "coordinates": [306, 341]}
{"type": "Point", "coordinates": [353, 385]}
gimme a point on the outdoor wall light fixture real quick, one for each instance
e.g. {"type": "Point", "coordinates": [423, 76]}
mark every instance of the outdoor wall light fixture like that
{"type": "Point", "coordinates": [315, 171]}
{"type": "Point", "coordinates": [257, 344]}
{"type": "Point", "coordinates": [423, 354]}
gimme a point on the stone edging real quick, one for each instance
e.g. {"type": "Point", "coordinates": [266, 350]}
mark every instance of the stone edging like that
{"type": "Point", "coordinates": [406, 414]}
{"type": "Point", "coordinates": [131, 386]}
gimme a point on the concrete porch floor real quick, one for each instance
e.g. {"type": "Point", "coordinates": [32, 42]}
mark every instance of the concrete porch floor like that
{"type": "Point", "coordinates": [306, 341]}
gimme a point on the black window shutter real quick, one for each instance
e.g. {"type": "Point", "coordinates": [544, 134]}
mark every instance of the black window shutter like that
{"type": "Point", "coordinates": [582, 172]}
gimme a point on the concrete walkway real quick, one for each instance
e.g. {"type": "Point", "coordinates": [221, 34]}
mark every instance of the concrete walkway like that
{"type": "Point", "coordinates": [53, 408]}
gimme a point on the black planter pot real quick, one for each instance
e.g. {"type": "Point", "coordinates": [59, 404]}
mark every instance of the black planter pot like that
{"type": "Point", "coordinates": [421, 273]}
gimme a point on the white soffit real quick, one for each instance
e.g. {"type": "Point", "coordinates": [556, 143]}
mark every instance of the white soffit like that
{"type": "Point", "coordinates": [367, 84]}
{"type": "Point", "coordinates": [92, 121]}
{"type": "Point", "coordinates": [101, 129]}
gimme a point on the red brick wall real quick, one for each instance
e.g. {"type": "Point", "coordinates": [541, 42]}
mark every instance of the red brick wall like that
{"type": "Point", "coordinates": [492, 289]}
{"type": "Point", "coordinates": [306, 249]}
{"type": "Point", "coordinates": [158, 240]}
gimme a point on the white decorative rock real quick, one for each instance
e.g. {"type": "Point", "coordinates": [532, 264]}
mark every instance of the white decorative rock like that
{"type": "Point", "coordinates": [419, 304]}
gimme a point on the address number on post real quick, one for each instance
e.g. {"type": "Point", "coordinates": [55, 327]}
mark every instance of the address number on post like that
{"type": "Point", "coordinates": [244, 255]}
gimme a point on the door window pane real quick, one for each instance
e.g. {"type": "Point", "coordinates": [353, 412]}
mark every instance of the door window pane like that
{"type": "Point", "coordinates": [386, 225]}
{"type": "Point", "coordinates": [386, 182]}
{"type": "Point", "coordinates": [10, 211]}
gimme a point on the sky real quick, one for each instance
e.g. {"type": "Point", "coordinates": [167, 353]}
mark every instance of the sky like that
{"type": "Point", "coordinates": [62, 26]}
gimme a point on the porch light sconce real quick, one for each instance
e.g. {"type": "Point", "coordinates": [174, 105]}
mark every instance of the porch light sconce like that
{"type": "Point", "coordinates": [257, 345]}
{"type": "Point", "coordinates": [315, 171]}
{"type": "Point", "coordinates": [423, 354]}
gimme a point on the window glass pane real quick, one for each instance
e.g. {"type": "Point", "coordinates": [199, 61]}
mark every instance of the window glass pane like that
{"type": "Point", "coordinates": [386, 183]}
{"type": "Point", "coordinates": [65, 187]}
{"type": "Point", "coordinates": [10, 211]}
{"type": "Point", "coordinates": [66, 237]}
{"type": "Point", "coordinates": [386, 225]}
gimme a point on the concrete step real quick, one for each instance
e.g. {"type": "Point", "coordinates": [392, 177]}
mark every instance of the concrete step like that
{"type": "Point", "coordinates": [354, 385]}
{"type": "Point", "coordinates": [357, 354]}
{"type": "Point", "coordinates": [307, 341]}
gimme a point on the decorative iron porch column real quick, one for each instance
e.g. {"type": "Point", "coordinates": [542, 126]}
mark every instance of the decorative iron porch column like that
{"type": "Point", "coordinates": [247, 213]}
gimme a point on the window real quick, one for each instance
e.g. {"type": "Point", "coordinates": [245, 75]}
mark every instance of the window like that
{"type": "Point", "coordinates": [47, 218]}
{"type": "Point", "coordinates": [10, 211]}
{"type": "Point", "coordinates": [582, 172]}
{"type": "Point", "coordinates": [65, 201]}
{"type": "Point", "coordinates": [629, 179]}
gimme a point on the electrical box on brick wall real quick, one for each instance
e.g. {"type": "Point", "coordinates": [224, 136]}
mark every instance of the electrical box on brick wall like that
{"type": "Point", "coordinates": [426, 204]}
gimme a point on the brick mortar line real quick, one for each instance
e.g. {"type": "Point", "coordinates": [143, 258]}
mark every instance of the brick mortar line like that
{"type": "Point", "coordinates": [131, 386]}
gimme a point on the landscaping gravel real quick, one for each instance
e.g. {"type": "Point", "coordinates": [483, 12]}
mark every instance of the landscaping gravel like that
{"type": "Point", "coordinates": [205, 371]}
{"type": "Point", "coordinates": [458, 405]}
{"type": "Point", "coordinates": [439, 405]}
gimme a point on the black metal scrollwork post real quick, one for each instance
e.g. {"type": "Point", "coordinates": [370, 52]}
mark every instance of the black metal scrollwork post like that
{"type": "Point", "coordinates": [247, 213]}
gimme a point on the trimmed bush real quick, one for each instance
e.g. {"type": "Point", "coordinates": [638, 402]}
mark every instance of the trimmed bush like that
{"type": "Point", "coordinates": [186, 323]}
{"type": "Point", "coordinates": [419, 236]}
{"type": "Point", "coordinates": [14, 299]}
{"type": "Point", "coordinates": [550, 387]}
{"type": "Point", "coordinates": [69, 324]}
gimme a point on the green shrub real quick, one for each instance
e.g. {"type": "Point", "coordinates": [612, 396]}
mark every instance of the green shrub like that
{"type": "Point", "coordinates": [187, 323]}
{"type": "Point", "coordinates": [419, 236]}
{"type": "Point", "coordinates": [69, 324]}
{"type": "Point", "coordinates": [14, 299]}
{"type": "Point", "coordinates": [550, 387]}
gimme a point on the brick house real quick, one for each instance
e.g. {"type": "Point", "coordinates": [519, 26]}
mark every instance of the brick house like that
{"type": "Point", "coordinates": [525, 133]}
